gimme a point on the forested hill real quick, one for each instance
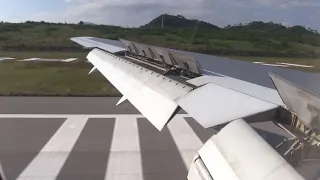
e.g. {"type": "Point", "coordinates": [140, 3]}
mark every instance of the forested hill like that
{"type": "Point", "coordinates": [256, 38]}
{"type": "Point", "coordinates": [178, 21]}
{"type": "Point", "coordinates": [170, 21]}
{"type": "Point", "coordinates": [253, 39]}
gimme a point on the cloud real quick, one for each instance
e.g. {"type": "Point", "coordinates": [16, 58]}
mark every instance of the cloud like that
{"type": "Point", "coordinates": [134, 13]}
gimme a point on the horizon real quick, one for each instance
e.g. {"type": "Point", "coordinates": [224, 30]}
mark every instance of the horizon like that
{"type": "Point", "coordinates": [222, 27]}
{"type": "Point", "coordinates": [134, 13]}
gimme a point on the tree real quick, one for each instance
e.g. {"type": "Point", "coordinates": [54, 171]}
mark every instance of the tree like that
{"type": "Point", "coordinates": [284, 44]}
{"type": "Point", "coordinates": [81, 23]}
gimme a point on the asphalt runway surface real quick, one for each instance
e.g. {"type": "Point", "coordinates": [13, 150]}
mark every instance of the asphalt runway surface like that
{"type": "Point", "coordinates": [90, 138]}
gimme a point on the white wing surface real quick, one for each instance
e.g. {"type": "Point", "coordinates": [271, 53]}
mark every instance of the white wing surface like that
{"type": "Point", "coordinates": [151, 93]}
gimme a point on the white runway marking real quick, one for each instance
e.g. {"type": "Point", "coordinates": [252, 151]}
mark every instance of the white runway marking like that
{"type": "Point", "coordinates": [30, 59]}
{"type": "Point", "coordinates": [69, 60]}
{"type": "Point", "coordinates": [276, 65]}
{"type": "Point", "coordinates": [125, 158]}
{"type": "Point", "coordinates": [185, 138]}
{"type": "Point", "coordinates": [124, 162]}
{"type": "Point", "coordinates": [27, 116]}
{"type": "Point", "coordinates": [6, 58]}
{"type": "Point", "coordinates": [48, 163]}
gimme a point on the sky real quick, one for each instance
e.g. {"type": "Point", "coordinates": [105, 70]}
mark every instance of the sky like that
{"type": "Point", "coordinates": [134, 13]}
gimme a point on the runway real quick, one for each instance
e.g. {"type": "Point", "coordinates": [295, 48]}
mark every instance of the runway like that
{"type": "Point", "coordinates": [50, 138]}
{"type": "Point", "coordinates": [97, 147]}
{"type": "Point", "coordinates": [64, 105]}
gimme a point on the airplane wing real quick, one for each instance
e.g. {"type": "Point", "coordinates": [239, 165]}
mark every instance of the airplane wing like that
{"type": "Point", "coordinates": [159, 81]}
{"type": "Point", "coordinates": [211, 100]}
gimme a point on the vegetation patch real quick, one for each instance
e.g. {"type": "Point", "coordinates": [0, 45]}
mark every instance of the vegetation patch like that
{"type": "Point", "coordinates": [52, 79]}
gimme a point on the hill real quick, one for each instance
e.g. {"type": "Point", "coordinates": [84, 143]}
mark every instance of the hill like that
{"type": "Point", "coordinates": [178, 21]}
{"type": "Point", "coordinates": [252, 39]}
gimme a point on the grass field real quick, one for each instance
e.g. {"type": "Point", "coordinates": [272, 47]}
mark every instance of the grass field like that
{"type": "Point", "coordinates": [52, 79]}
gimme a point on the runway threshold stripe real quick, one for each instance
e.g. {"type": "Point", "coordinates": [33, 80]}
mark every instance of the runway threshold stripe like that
{"type": "Point", "coordinates": [90, 154]}
{"type": "Point", "coordinates": [125, 159]}
{"type": "Point", "coordinates": [21, 141]}
{"type": "Point", "coordinates": [160, 156]}
{"type": "Point", "coordinates": [202, 133]}
{"type": "Point", "coordinates": [185, 139]}
{"type": "Point", "coordinates": [47, 164]}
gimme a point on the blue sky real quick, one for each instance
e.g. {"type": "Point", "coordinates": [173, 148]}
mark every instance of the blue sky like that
{"type": "Point", "coordinates": [134, 13]}
{"type": "Point", "coordinates": [19, 8]}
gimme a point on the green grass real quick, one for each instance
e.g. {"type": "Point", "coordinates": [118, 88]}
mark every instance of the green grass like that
{"type": "Point", "coordinates": [52, 79]}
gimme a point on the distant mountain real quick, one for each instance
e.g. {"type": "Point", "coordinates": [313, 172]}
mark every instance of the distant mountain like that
{"type": "Point", "coordinates": [272, 27]}
{"type": "Point", "coordinates": [170, 21]}
{"type": "Point", "coordinates": [178, 21]}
